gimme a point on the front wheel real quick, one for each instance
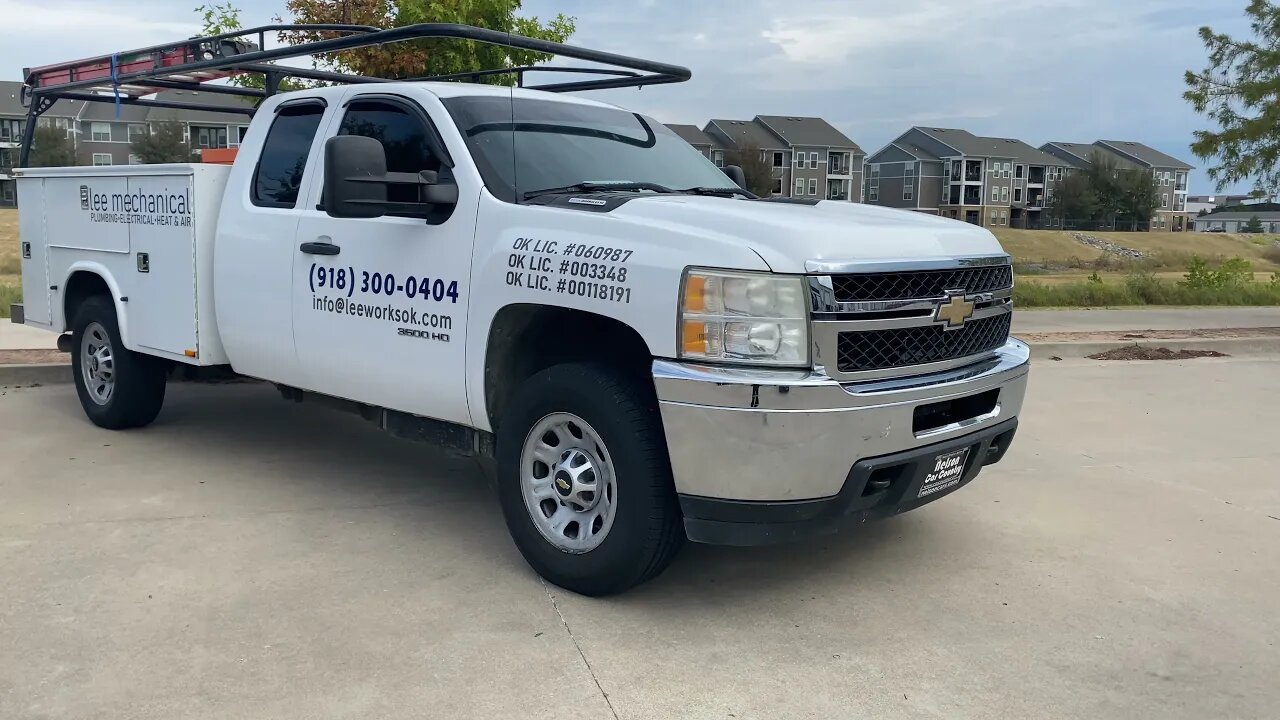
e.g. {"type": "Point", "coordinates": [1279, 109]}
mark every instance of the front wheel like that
{"type": "Point", "coordinates": [118, 388]}
{"type": "Point", "coordinates": [584, 479]}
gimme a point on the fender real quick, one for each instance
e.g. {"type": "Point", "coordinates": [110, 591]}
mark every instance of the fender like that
{"type": "Point", "coordinates": [61, 322]}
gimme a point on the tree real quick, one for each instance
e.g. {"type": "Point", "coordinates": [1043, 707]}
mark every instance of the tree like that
{"type": "Point", "coordinates": [758, 171]}
{"type": "Point", "coordinates": [218, 19]}
{"type": "Point", "coordinates": [1073, 199]}
{"type": "Point", "coordinates": [50, 147]}
{"type": "Point", "coordinates": [1254, 225]}
{"type": "Point", "coordinates": [1103, 176]}
{"type": "Point", "coordinates": [1239, 91]}
{"type": "Point", "coordinates": [1137, 197]}
{"type": "Point", "coordinates": [415, 58]}
{"type": "Point", "coordinates": [162, 143]}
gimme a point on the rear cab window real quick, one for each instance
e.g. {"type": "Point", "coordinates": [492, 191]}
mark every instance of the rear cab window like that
{"type": "Point", "coordinates": [278, 176]}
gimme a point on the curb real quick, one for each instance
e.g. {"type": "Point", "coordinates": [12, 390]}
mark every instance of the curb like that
{"type": "Point", "coordinates": [1228, 346]}
{"type": "Point", "coordinates": [44, 374]}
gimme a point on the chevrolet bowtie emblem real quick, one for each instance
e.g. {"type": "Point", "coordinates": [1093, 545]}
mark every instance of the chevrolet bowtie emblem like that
{"type": "Point", "coordinates": [955, 311]}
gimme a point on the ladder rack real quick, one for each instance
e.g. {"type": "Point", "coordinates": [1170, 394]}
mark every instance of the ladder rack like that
{"type": "Point", "coordinates": [129, 77]}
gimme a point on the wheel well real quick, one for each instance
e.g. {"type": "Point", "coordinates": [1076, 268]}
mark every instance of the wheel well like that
{"type": "Point", "coordinates": [525, 339]}
{"type": "Point", "coordinates": [81, 286]}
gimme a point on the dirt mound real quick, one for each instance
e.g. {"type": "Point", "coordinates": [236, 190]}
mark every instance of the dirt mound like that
{"type": "Point", "coordinates": [1147, 352]}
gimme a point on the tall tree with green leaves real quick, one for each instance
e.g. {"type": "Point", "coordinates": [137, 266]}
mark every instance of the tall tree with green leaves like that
{"type": "Point", "coordinates": [1103, 176]}
{"type": "Point", "coordinates": [1254, 225]}
{"type": "Point", "coordinates": [1073, 200]}
{"type": "Point", "coordinates": [162, 143]}
{"type": "Point", "coordinates": [1239, 91]}
{"type": "Point", "coordinates": [757, 171]}
{"type": "Point", "coordinates": [418, 58]}
{"type": "Point", "coordinates": [51, 147]}
{"type": "Point", "coordinates": [1137, 197]}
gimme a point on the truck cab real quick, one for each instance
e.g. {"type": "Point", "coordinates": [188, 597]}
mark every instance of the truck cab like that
{"type": "Point", "coordinates": [640, 350]}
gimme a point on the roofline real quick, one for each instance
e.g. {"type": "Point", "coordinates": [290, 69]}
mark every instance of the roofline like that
{"type": "Point", "coordinates": [1180, 166]}
{"type": "Point", "coordinates": [944, 142]}
{"type": "Point", "coordinates": [1063, 149]}
{"type": "Point", "coordinates": [767, 126]}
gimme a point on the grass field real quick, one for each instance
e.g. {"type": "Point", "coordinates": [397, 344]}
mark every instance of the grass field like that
{"type": "Point", "coordinates": [10, 261]}
{"type": "Point", "coordinates": [1052, 265]}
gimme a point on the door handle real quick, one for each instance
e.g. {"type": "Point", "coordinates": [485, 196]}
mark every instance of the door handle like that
{"type": "Point", "coordinates": [319, 248]}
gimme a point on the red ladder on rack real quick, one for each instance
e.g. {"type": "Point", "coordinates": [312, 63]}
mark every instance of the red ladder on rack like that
{"type": "Point", "coordinates": [110, 67]}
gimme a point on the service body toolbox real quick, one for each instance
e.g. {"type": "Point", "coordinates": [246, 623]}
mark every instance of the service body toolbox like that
{"type": "Point", "coordinates": [150, 227]}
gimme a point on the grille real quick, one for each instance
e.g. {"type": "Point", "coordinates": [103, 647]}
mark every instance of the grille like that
{"type": "Point", "coordinates": [902, 347]}
{"type": "Point", "coordinates": [920, 284]}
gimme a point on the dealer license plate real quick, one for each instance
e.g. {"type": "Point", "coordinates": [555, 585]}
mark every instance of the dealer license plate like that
{"type": "Point", "coordinates": [945, 472]}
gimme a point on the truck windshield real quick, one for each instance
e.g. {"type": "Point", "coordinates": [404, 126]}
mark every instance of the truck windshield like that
{"type": "Point", "coordinates": [525, 146]}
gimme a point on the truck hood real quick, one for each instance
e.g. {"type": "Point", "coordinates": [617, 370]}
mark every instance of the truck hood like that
{"type": "Point", "coordinates": [789, 235]}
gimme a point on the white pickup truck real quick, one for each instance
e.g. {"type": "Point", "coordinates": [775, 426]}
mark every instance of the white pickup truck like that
{"type": "Point", "coordinates": [646, 351]}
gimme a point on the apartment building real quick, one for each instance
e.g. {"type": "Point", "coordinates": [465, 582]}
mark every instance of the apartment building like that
{"type": "Point", "coordinates": [1170, 174]}
{"type": "Point", "coordinates": [988, 181]}
{"type": "Point", "coordinates": [104, 135]}
{"type": "Point", "coordinates": [704, 143]}
{"type": "Point", "coordinates": [810, 158]}
{"type": "Point", "coordinates": [13, 120]}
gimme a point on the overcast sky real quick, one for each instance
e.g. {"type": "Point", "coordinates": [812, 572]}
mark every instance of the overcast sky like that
{"type": "Point", "coordinates": [1038, 70]}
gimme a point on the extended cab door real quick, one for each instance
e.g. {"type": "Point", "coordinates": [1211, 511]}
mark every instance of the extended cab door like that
{"type": "Point", "coordinates": [380, 305]}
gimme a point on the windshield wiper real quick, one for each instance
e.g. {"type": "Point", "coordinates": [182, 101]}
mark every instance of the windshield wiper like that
{"type": "Point", "coordinates": [719, 192]}
{"type": "Point", "coordinates": [598, 187]}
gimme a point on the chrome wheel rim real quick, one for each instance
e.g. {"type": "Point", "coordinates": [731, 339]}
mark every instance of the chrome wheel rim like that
{"type": "Point", "coordinates": [568, 482]}
{"type": "Point", "coordinates": [97, 363]}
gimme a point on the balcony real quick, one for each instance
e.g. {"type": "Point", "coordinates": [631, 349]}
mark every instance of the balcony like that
{"type": "Point", "coordinates": [1036, 175]}
{"type": "Point", "coordinates": [973, 171]}
{"type": "Point", "coordinates": [839, 164]}
{"type": "Point", "coordinates": [972, 196]}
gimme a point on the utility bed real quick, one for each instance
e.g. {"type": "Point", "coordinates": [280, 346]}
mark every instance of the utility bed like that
{"type": "Point", "coordinates": [150, 227]}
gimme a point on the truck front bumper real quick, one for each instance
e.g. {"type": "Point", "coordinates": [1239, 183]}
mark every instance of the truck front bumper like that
{"type": "Point", "coordinates": [766, 456]}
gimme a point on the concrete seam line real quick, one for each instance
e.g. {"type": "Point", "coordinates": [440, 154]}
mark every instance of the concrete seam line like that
{"type": "Point", "coordinates": [556, 606]}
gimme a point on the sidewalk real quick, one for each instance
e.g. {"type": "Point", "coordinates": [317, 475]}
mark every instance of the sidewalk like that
{"type": "Point", "coordinates": [1104, 319]}
{"type": "Point", "coordinates": [21, 337]}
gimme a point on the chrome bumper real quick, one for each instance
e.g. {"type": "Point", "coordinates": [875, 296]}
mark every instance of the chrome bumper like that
{"type": "Point", "coordinates": [777, 435]}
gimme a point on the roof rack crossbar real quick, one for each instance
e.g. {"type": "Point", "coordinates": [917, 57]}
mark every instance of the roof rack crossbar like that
{"type": "Point", "coordinates": [142, 102]}
{"type": "Point", "coordinates": [356, 36]}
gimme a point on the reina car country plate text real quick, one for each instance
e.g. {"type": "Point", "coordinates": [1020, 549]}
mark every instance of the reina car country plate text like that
{"type": "Point", "coordinates": [947, 470]}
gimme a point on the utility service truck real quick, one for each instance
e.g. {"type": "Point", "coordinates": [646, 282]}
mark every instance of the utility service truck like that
{"type": "Point", "coordinates": [641, 350]}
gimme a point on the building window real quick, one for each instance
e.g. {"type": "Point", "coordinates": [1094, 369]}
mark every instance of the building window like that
{"type": "Point", "coordinates": [875, 171]}
{"type": "Point", "coordinates": [136, 132]}
{"type": "Point", "coordinates": [995, 194]}
{"type": "Point", "coordinates": [813, 161]}
{"type": "Point", "coordinates": [873, 194]}
{"type": "Point", "coordinates": [101, 159]}
{"type": "Point", "coordinates": [210, 137]}
{"type": "Point", "coordinates": [1004, 194]}
{"type": "Point", "coordinates": [777, 186]}
{"type": "Point", "coordinates": [813, 186]}
{"type": "Point", "coordinates": [799, 187]}
{"type": "Point", "coordinates": [800, 160]}
{"type": "Point", "coordinates": [908, 191]}
{"type": "Point", "coordinates": [1017, 194]}
{"type": "Point", "coordinates": [134, 159]}
{"type": "Point", "coordinates": [1164, 200]}
{"type": "Point", "coordinates": [717, 157]}
{"type": "Point", "coordinates": [100, 132]}
{"type": "Point", "coordinates": [993, 217]}
{"type": "Point", "coordinates": [1004, 218]}
{"type": "Point", "coordinates": [1019, 171]}
{"type": "Point", "coordinates": [777, 159]}
{"type": "Point", "coordinates": [909, 171]}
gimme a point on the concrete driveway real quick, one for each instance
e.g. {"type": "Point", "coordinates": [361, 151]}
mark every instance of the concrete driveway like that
{"type": "Point", "coordinates": [250, 558]}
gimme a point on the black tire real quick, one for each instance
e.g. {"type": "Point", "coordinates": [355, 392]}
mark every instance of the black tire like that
{"type": "Point", "coordinates": [647, 530]}
{"type": "Point", "coordinates": [138, 390]}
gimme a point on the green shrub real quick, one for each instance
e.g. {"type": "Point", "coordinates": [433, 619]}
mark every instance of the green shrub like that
{"type": "Point", "coordinates": [9, 293]}
{"type": "Point", "coordinates": [1144, 288]}
{"type": "Point", "coordinates": [1235, 272]}
{"type": "Point", "coordinates": [1094, 277]}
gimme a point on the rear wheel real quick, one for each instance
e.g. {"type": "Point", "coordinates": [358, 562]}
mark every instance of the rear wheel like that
{"type": "Point", "coordinates": [584, 479]}
{"type": "Point", "coordinates": [118, 388]}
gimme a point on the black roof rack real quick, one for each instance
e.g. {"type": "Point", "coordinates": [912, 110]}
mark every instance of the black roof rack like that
{"type": "Point", "coordinates": [127, 77]}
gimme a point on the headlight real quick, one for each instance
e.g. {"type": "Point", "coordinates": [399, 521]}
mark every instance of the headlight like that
{"type": "Point", "coordinates": [755, 318]}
